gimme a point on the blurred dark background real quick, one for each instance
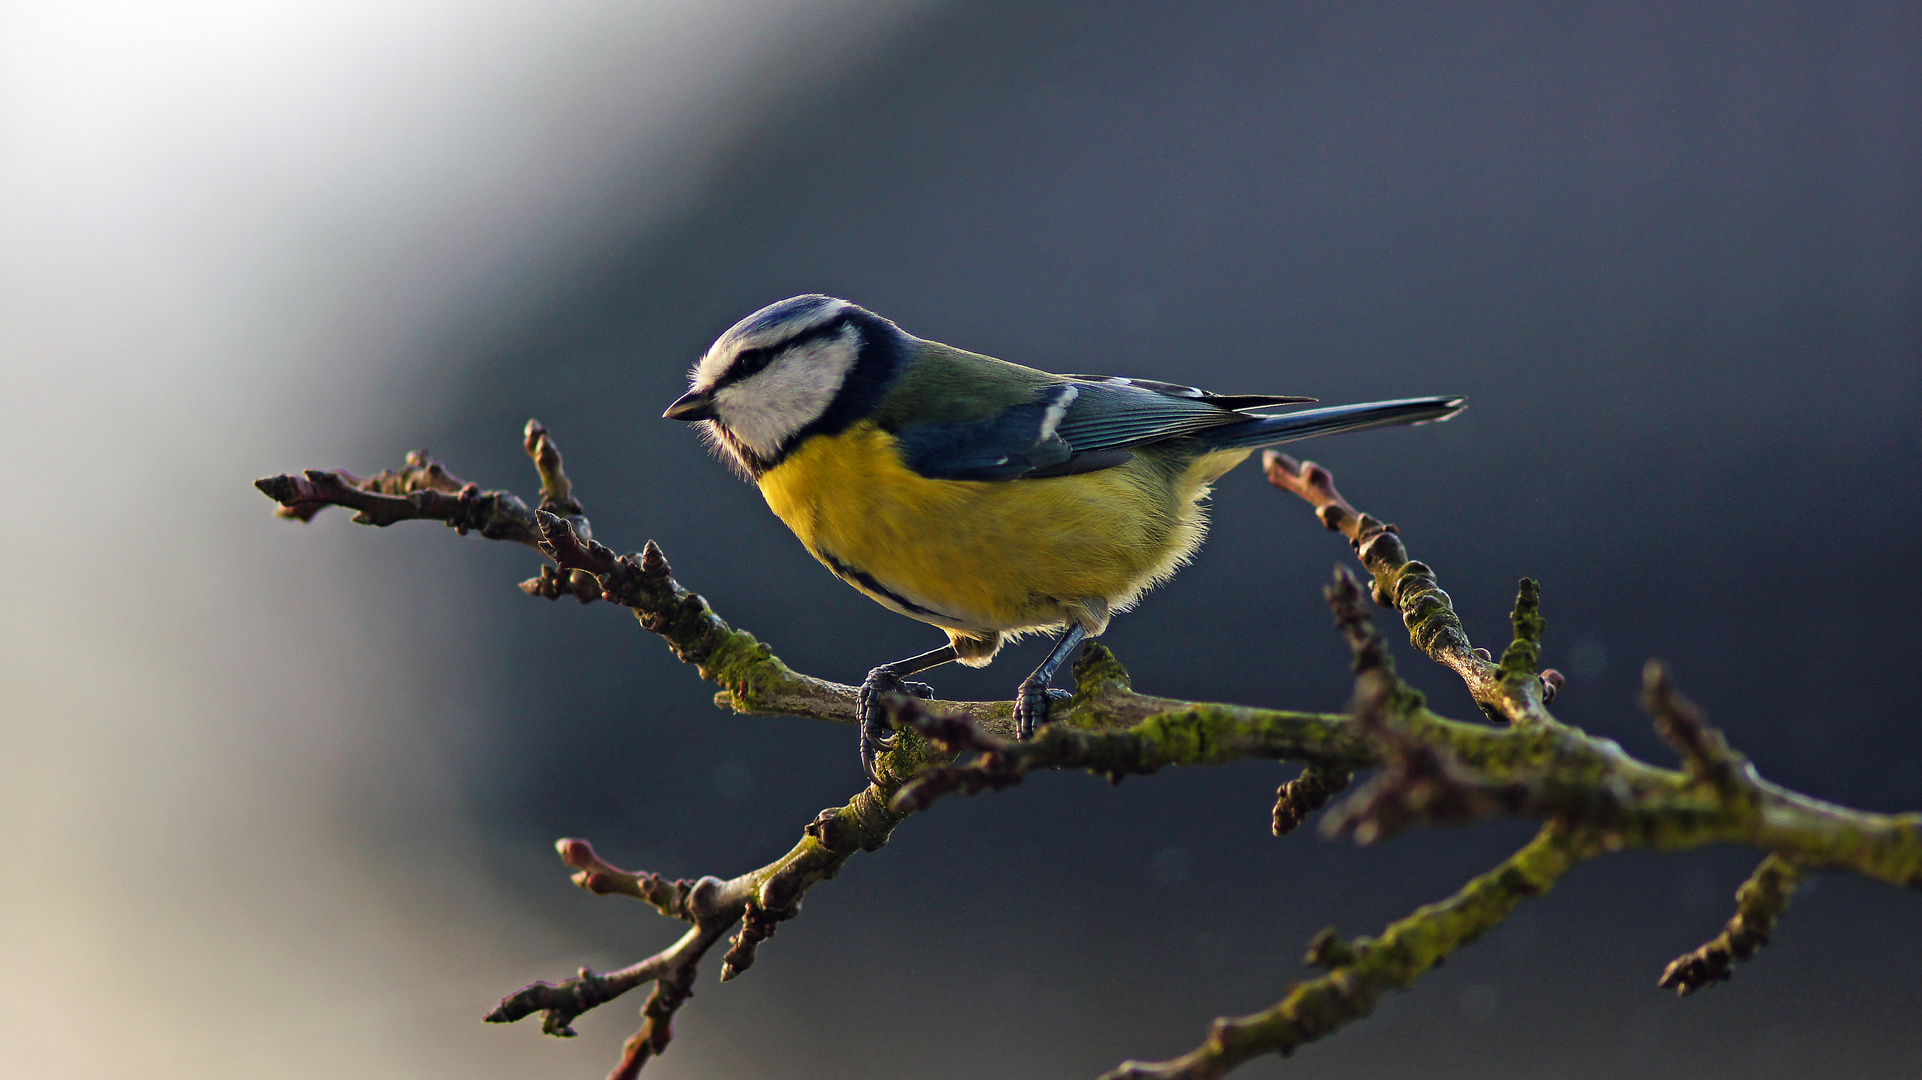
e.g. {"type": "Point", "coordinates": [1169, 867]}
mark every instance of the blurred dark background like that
{"type": "Point", "coordinates": [1672, 254]}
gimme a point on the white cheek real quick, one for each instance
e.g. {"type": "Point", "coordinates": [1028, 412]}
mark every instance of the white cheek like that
{"type": "Point", "coordinates": [765, 410]}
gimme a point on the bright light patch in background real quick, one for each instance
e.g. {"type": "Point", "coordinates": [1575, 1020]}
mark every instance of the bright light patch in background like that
{"type": "Point", "coordinates": [229, 233]}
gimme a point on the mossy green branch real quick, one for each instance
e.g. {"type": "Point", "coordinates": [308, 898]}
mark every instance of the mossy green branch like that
{"type": "Point", "coordinates": [1523, 658]}
{"type": "Point", "coordinates": [1185, 734]}
{"type": "Point", "coordinates": [1364, 969]}
{"type": "Point", "coordinates": [1759, 902]}
{"type": "Point", "coordinates": [1305, 794]}
{"type": "Point", "coordinates": [1411, 588]}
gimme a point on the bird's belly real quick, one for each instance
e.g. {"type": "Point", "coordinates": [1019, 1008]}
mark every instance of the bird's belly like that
{"type": "Point", "coordinates": [984, 555]}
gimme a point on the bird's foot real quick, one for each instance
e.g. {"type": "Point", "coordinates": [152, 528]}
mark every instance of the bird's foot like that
{"type": "Point", "coordinates": [1031, 703]}
{"type": "Point", "coordinates": [876, 734]}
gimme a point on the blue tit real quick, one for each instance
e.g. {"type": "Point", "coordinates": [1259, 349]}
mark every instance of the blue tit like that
{"type": "Point", "coordinates": [987, 498]}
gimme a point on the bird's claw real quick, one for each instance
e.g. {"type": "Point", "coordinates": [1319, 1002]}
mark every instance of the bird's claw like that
{"type": "Point", "coordinates": [876, 734]}
{"type": "Point", "coordinates": [1031, 704]}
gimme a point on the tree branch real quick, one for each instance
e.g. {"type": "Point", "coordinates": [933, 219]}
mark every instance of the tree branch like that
{"type": "Point", "coordinates": [423, 490]}
{"type": "Point", "coordinates": [1363, 969]}
{"type": "Point", "coordinates": [1510, 690]}
{"type": "Point", "coordinates": [1305, 794]}
{"type": "Point", "coordinates": [1703, 749]}
{"type": "Point", "coordinates": [1186, 734]}
{"type": "Point", "coordinates": [1758, 903]}
{"type": "Point", "coordinates": [1591, 796]}
{"type": "Point", "coordinates": [758, 900]}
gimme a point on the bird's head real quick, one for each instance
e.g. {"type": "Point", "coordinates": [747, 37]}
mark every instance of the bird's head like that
{"type": "Point", "coordinates": [807, 364]}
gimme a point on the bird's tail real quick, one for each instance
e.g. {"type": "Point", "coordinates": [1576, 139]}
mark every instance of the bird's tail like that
{"type": "Point", "coordinates": [1260, 430]}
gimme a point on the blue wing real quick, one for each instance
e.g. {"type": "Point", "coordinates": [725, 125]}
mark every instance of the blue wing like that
{"type": "Point", "coordinates": [1071, 427]}
{"type": "Point", "coordinates": [1016, 442]}
{"type": "Point", "coordinates": [1090, 423]}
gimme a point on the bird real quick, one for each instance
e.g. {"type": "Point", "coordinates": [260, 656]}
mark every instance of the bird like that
{"type": "Point", "coordinates": [986, 498]}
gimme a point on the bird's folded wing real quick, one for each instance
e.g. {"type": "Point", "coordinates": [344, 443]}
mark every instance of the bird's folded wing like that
{"type": "Point", "coordinates": [1114, 415]}
{"type": "Point", "coordinates": [1011, 443]}
{"type": "Point", "coordinates": [1071, 427]}
{"type": "Point", "coordinates": [1195, 393]}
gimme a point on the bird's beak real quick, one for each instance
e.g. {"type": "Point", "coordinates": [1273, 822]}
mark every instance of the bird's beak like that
{"type": "Point", "coordinates": [693, 405]}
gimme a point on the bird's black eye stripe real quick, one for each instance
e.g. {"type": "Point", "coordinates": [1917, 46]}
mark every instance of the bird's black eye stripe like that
{"type": "Point", "coordinates": [750, 362]}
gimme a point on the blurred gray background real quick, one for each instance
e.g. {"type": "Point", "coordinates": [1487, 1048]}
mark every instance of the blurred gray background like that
{"type": "Point", "coordinates": [278, 801]}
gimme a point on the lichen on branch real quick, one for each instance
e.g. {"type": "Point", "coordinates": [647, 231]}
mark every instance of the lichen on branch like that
{"type": "Point", "coordinates": [1758, 903]}
{"type": "Point", "coordinates": [1360, 971]}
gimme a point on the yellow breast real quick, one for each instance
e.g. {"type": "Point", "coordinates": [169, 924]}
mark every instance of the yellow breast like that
{"type": "Point", "coordinates": [988, 555]}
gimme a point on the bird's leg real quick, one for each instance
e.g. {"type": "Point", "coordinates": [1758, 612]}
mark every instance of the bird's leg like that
{"type": "Point", "coordinates": [1032, 699]}
{"type": "Point", "coordinates": [876, 736]}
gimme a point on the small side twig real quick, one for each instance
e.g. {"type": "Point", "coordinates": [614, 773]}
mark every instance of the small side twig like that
{"type": "Point", "coordinates": [557, 497]}
{"type": "Point", "coordinates": [1501, 690]}
{"type": "Point", "coordinates": [1362, 970]}
{"type": "Point", "coordinates": [757, 900]}
{"type": "Point", "coordinates": [557, 491]}
{"type": "Point", "coordinates": [1421, 784]}
{"type": "Point", "coordinates": [1704, 751]}
{"type": "Point", "coordinates": [1758, 904]}
{"type": "Point", "coordinates": [422, 491]}
{"type": "Point", "coordinates": [561, 1003]}
{"type": "Point", "coordinates": [756, 926]}
{"type": "Point", "coordinates": [1305, 794]}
